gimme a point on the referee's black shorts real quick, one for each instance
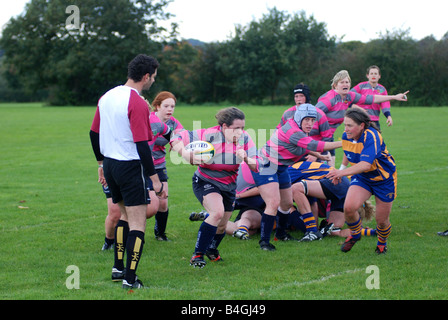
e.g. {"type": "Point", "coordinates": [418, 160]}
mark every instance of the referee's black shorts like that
{"type": "Point", "coordinates": [126, 182]}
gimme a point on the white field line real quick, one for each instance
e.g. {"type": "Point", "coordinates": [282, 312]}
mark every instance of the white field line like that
{"type": "Point", "coordinates": [320, 280]}
{"type": "Point", "coordinates": [420, 171]}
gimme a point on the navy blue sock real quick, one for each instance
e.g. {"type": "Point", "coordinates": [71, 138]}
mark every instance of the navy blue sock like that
{"type": "Point", "coordinates": [206, 234]}
{"type": "Point", "coordinates": [267, 224]}
{"type": "Point", "coordinates": [282, 223]}
{"type": "Point", "coordinates": [297, 221]}
{"type": "Point", "coordinates": [216, 240]}
{"type": "Point", "coordinates": [160, 225]}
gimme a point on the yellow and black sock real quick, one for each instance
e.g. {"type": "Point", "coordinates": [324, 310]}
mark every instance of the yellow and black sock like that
{"type": "Point", "coordinates": [121, 236]}
{"type": "Point", "coordinates": [134, 249]}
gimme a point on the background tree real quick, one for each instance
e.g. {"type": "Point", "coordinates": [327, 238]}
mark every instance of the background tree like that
{"type": "Point", "coordinates": [254, 60]}
{"type": "Point", "coordinates": [265, 59]}
{"type": "Point", "coordinates": [260, 64]}
{"type": "Point", "coordinates": [78, 65]}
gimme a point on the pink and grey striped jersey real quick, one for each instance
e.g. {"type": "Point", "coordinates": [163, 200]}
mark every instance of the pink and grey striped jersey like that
{"type": "Point", "coordinates": [334, 107]}
{"type": "Point", "coordinates": [288, 145]}
{"type": "Point", "coordinates": [365, 88]}
{"type": "Point", "coordinates": [321, 129]}
{"type": "Point", "coordinates": [158, 129]}
{"type": "Point", "coordinates": [245, 180]}
{"type": "Point", "coordinates": [159, 150]}
{"type": "Point", "coordinates": [223, 169]}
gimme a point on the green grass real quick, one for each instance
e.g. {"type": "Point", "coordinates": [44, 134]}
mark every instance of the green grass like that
{"type": "Point", "coordinates": [48, 167]}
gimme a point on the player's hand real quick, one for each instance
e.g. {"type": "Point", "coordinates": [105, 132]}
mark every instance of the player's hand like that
{"type": "Point", "coordinates": [334, 176]}
{"type": "Point", "coordinates": [402, 96]}
{"type": "Point", "coordinates": [389, 121]}
{"type": "Point", "coordinates": [241, 154]}
{"type": "Point", "coordinates": [101, 178]}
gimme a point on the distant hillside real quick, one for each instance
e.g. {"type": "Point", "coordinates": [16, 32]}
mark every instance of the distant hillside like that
{"type": "Point", "coordinates": [195, 42]}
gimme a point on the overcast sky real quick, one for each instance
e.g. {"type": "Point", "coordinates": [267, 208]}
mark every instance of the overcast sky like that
{"type": "Point", "coordinates": [214, 20]}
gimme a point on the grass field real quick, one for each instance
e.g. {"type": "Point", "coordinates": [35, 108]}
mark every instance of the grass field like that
{"type": "Point", "coordinates": [52, 214]}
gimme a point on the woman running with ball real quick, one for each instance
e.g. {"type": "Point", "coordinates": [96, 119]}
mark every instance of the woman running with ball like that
{"type": "Point", "coordinates": [214, 182]}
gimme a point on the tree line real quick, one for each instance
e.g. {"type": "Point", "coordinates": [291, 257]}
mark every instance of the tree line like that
{"type": "Point", "coordinates": [43, 58]}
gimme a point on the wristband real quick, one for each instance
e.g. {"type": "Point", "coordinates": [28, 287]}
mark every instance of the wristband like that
{"type": "Point", "coordinates": [100, 166]}
{"type": "Point", "coordinates": [342, 167]}
{"type": "Point", "coordinates": [160, 191]}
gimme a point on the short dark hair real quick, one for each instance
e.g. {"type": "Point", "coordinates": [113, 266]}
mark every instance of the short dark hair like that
{"type": "Point", "coordinates": [228, 115]}
{"type": "Point", "coordinates": [373, 67]}
{"type": "Point", "coordinates": [141, 65]}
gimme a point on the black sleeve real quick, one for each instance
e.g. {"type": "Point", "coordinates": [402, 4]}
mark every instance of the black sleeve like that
{"type": "Point", "coordinates": [95, 141]}
{"type": "Point", "coordinates": [144, 151]}
{"type": "Point", "coordinates": [168, 136]}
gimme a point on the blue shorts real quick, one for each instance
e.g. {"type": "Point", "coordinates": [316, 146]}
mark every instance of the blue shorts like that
{"type": "Point", "coordinates": [385, 190]}
{"type": "Point", "coordinates": [267, 175]}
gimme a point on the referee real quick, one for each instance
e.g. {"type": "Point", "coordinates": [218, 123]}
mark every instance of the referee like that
{"type": "Point", "coordinates": [119, 135]}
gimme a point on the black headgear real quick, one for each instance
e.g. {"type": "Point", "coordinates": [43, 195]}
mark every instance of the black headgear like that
{"type": "Point", "coordinates": [303, 89]}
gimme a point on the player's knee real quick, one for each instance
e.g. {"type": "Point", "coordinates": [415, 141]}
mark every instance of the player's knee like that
{"type": "Point", "coordinates": [350, 210]}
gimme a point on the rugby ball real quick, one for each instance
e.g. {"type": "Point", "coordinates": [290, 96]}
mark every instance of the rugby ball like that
{"type": "Point", "coordinates": [203, 149]}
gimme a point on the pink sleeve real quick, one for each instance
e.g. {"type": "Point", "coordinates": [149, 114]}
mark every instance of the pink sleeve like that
{"type": "Point", "coordinates": [385, 105]}
{"type": "Point", "coordinates": [183, 136]}
{"type": "Point", "coordinates": [320, 146]}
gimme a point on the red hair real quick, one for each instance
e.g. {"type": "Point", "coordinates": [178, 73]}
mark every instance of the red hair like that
{"type": "Point", "coordinates": [157, 102]}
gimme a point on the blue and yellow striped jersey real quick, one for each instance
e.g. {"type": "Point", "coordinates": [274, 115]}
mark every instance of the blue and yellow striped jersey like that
{"type": "Point", "coordinates": [370, 147]}
{"type": "Point", "coordinates": [308, 170]}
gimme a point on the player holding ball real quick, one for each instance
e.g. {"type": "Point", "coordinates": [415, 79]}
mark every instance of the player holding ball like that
{"type": "Point", "coordinates": [214, 182]}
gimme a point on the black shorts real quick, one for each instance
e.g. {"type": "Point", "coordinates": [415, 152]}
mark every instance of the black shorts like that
{"type": "Point", "coordinates": [126, 182]}
{"type": "Point", "coordinates": [107, 192]}
{"type": "Point", "coordinates": [202, 188]}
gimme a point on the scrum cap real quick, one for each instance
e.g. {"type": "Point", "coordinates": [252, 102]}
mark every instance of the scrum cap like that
{"type": "Point", "coordinates": [303, 89]}
{"type": "Point", "coordinates": [305, 110]}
